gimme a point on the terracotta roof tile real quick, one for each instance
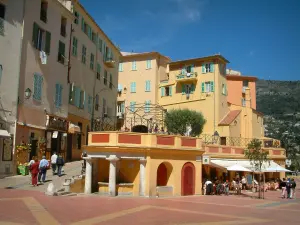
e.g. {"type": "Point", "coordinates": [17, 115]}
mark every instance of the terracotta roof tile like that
{"type": "Point", "coordinates": [229, 118]}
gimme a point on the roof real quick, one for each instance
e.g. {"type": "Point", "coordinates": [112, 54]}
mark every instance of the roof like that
{"type": "Point", "coordinates": [134, 54]}
{"type": "Point", "coordinates": [200, 59]}
{"type": "Point", "coordinates": [229, 118]}
{"type": "Point", "coordinates": [240, 77]}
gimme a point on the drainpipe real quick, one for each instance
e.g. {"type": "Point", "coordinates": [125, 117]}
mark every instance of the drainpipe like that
{"type": "Point", "coordinates": [18, 83]}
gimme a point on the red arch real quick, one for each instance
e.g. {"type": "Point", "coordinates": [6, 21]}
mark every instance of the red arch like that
{"type": "Point", "coordinates": [188, 179]}
{"type": "Point", "coordinates": [162, 175]}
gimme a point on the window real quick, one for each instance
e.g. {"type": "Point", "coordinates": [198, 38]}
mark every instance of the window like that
{"type": "Point", "coordinates": [83, 57]}
{"type": "Point", "coordinates": [94, 37]}
{"type": "Point", "coordinates": [74, 46]}
{"type": "Point", "coordinates": [77, 93]}
{"type": "Point", "coordinates": [105, 77]}
{"type": "Point", "coordinates": [43, 12]}
{"type": "Point", "coordinates": [76, 20]}
{"type": "Point", "coordinates": [187, 89]}
{"type": "Point", "coordinates": [92, 61]}
{"type": "Point", "coordinates": [245, 83]}
{"type": "Point", "coordinates": [120, 88]}
{"type": "Point", "coordinates": [133, 87]}
{"type": "Point", "coordinates": [58, 95]}
{"type": "Point", "coordinates": [224, 89]}
{"type": "Point", "coordinates": [207, 68]}
{"type": "Point", "coordinates": [2, 15]}
{"type": "Point", "coordinates": [148, 64]}
{"type": "Point", "coordinates": [148, 86]}
{"type": "Point", "coordinates": [63, 27]}
{"type": "Point", "coordinates": [147, 106]}
{"type": "Point", "coordinates": [98, 71]}
{"type": "Point", "coordinates": [243, 102]}
{"type": "Point", "coordinates": [121, 107]}
{"type": "Point", "coordinates": [90, 103]}
{"type": "Point", "coordinates": [41, 39]}
{"type": "Point", "coordinates": [168, 91]}
{"type": "Point", "coordinates": [61, 52]}
{"type": "Point", "coordinates": [120, 67]}
{"type": "Point", "coordinates": [190, 69]}
{"type": "Point", "coordinates": [110, 81]}
{"type": "Point", "coordinates": [208, 87]}
{"type": "Point", "coordinates": [100, 44]}
{"type": "Point", "coordinates": [97, 103]}
{"type": "Point", "coordinates": [133, 65]}
{"type": "Point", "coordinates": [132, 106]}
{"type": "Point", "coordinates": [81, 99]}
{"type": "Point", "coordinates": [37, 87]}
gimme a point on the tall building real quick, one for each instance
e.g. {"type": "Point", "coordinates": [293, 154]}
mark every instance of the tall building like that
{"type": "Point", "coordinates": [93, 79]}
{"type": "Point", "coordinates": [11, 19]}
{"type": "Point", "coordinates": [139, 77]}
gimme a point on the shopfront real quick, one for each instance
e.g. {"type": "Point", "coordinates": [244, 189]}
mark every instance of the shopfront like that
{"type": "Point", "coordinates": [56, 136]}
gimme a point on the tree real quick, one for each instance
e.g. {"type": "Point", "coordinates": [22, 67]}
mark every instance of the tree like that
{"type": "Point", "coordinates": [177, 121]}
{"type": "Point", "coordinates": [257, 157]}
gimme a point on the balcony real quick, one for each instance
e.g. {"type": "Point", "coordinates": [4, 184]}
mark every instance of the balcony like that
{"type": "Point", "coordinates": [187, 77]}
{"type": "Point", "coordinates": [109, 62]}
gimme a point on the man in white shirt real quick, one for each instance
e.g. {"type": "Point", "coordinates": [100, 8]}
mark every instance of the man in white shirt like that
{"type": "Point", "coordinates": [244, 183]}
{"type": "Point", "coordinates": [53, 162]}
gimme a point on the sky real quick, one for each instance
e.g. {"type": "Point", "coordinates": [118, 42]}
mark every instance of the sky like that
{"type": "Point", "coordinates": [259, 37]}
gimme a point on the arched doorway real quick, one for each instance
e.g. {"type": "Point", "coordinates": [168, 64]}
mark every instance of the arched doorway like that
{"type": "Point", "coordinates": [140, 129]}
{"type": "Point", "coordinates": [162, 175]}
{"type": "Point", "coordinates": [188, 179]}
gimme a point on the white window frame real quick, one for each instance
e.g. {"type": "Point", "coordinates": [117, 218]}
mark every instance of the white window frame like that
{"type": "Point", "coordinates": [207, 87]}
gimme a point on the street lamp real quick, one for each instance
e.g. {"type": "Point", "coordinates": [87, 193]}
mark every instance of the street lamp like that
{"type": "Point", "coordinates": [27, 93]}
{"type": "Point", "coordinates": [216, 137]}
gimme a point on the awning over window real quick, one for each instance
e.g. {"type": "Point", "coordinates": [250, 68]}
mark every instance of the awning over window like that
{"type": "Point", "coordinates": [4, 134]}
{"type": "Point", "coordinates": [270, 166]}
{"type": "Point", "coordinates": [74, 128]}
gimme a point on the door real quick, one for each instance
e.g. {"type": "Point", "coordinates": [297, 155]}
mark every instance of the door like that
{"type": "Point", "coordinates": [33, 151]}
{"type": "Point", "coordinates": [188, 179]}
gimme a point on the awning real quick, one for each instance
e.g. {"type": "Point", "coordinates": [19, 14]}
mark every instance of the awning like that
{"type": "Point", "coordinates": [237, 167]}
{"type": "Point", "coordinates": [277, 169]}
{"type": "Point", "coordinates": [74, 128]}
{"type": "Point", "coordinates": [266, 167]}
{"type": "Point", "coordinates": [4, 133]}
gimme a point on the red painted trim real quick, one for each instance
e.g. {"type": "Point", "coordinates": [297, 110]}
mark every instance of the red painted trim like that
{"type": "Point", "coordinates": [213, 149]}
{"type": "Point", "coordinates": [129, 139]}
{"type": "Point", "coordinates": [276, 152]}
{"type": "Point", "coordinates": [189, 142]}
{"type": "Point", "coordinates": [188, 164]}
{"type": "Point", "coordinates": [239, 151]}
{"type": "Point", "coordinates": [100, 138]}
{"type": "Point", "coordinates": [161, 140]}
{"type": "Point", "coordinates": [226, 150]}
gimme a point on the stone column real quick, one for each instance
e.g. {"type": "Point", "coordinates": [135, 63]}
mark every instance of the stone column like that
{"type": "Point", "coordinates": [142, 177]}
{"type": "Point", "coordinates": [88, 176]}
{"type": "Point", "coordinates": [112, 176]}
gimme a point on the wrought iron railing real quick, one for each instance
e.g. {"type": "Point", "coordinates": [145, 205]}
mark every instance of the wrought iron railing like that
{"type": "Point", "coordinates": [186, 75]}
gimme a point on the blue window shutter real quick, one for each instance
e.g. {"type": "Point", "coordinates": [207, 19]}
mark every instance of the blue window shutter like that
{"type": "Point", "coordinates": [211, 65]}
{"type": "Point", "coordinates": [170, 90]}
{"type": "Point", "coordinates": [192, 68]}
{"type": "Point", "coordinates": [146, 85]}
{"type": "Point", "coordinates": [183, 71]}
{"type": "Point", "coordinates": [123, 107]}
{"type": "Point", "coordinates": [35, 86]}
{"type": "Point", "coordinates": [162, 90]}
{"type": "Point", "coordinates": [149, 85]}
{"type": "Point", "coordinates": [77, 97]}
{"type": "Point", "coordinates": [134, 85]}
{"type": "Point", "coordinates": [133, 106]}
{"type": "Point", "coordinates": [131, 87]}
{"type": "Point", "coordinates": [212, 86]}
{"type": "Point", "coordinates": [203, 68]}
{"type": "Point", "coordinates": [40, 87]}
{"type": "Point", "coordinates": [57, 95]}
{"type": "Point", "coordinates": [120, 67]}
{"type": "Point", "coordinates": [192, 88]}
{"type": "Point", "coordinates": [203, 87]}
{"type": "Point", "coordinates": [183, 89]}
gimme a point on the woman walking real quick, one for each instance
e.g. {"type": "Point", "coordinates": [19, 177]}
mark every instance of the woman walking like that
{"type": "Point", "coordinates": [34, 169]}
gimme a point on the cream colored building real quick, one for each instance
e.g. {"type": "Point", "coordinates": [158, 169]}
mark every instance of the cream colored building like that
{"type": "Point", "coordinates": [139, 76]}
{"type": "Point", "coordinates": [93, 77]}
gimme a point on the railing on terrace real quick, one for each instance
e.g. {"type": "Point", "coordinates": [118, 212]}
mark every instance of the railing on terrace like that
{"type": "Point", "coordinates": [237, 141]}
{"type": "Point", "coordinates": [186, 76]}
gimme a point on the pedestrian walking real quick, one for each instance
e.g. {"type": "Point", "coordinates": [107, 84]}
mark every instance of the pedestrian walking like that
{"type": "Point", "coordinates": [288, 188]}
{"type": "Point", "coordinates": [283, 188]}
{"type": "Point", "coordinates": [293, 190]}
{"type": "Point", "coordinates": [60, 163]}
{"type": "Point", "coordinates": [43, 169]}
{"type": "Point", "coordinates": [34, 170]}
{"type": "Point", "coordinates": [29, 165]}
{"type": "Point", "coordinates": [53, 162]}
{"type": "Point", "coordinates": [226, 184]}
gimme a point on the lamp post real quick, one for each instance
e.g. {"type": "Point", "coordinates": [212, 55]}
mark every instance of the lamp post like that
{"type": "Point", "coordinates": [216, 137]}
{"type": "Point", "coordinates": [27, 95]}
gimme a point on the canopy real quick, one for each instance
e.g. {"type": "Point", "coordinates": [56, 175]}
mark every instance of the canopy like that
{"type": "Point", "coordinates": [237, 167]}
{"type": "Point", "coordinates": [74, 128]}
{"type": "Point", "coordinates": [266, 166]}
{"type": "Point", "coordinates": [4, 133]}
{"type": "Point", "coordinates": [277, 169]}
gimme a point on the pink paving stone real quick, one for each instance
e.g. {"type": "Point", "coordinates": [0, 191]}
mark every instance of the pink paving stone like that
{"type": "Point", "coordinates": [164, 216]}
{"type": "Point", "coordinates": [15, 211]}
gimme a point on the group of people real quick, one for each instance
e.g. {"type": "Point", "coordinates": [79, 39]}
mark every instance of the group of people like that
{"type": "Point", "coordinates": [288, 187]}
{"type": "Point", "coordinates": [38, 169]}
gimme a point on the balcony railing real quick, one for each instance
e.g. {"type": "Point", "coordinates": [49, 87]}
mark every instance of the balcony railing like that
{"type": "Point", "coordinates": [109, 62]}
{"type": "Point", "coordinates": [1, 26]}
{"type": "Point", "coordinates": [186, 76]}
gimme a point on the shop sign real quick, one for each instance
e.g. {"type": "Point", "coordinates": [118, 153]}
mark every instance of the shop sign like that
{"type": "Point", "coordinates": [206, 159]}
{"type": "Point", "coordinates": [56, 123]}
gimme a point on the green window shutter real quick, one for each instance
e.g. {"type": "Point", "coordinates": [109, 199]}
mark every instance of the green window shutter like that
{"type": "Point", "coordinates": [211, 65]}
{"type": "Point", "coordinates": [192, 88]}
{"type": "Point", "coordinates": [35, 86]}
{"type": "Point", "coordinates": [35, 34]}
{"type": "Point", "coordinates": [183, 70]}
{"type": "Point", "coordinates": [134, 85]}
{"type": "Point", "coordinates": [48, 42]}
{"type": "Point", "coordinates": [183, 89]}
{"type": "Point", "coordinates": [203, 87]}
{"type": "Point", "coordinates": [203, 68]}
{"type": "Point", "coordinates": [212, 86]}
{"type": "Point", "coordinates": [192, 68]}
{"type": "Point", "coordinates": [149, 85]}
{"type": "Point", "coordinates": [170, 90]}
{"type": "Point", "coordinates": [120, 67]}
{"type": "Point", "coordinates": [38, 84]}
{"type": "Point", "coordinates": [82, 24]}
{"type": "Point", "coordinates": [162, 90]}
{"type": "Point", "coordinates": [77, 97]}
